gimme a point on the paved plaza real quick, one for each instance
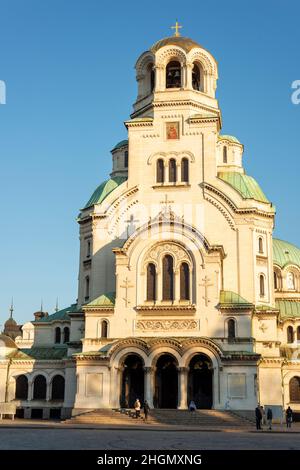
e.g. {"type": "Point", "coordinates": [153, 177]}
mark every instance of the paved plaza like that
{"type": "Point", "coordinates": [28, 438]}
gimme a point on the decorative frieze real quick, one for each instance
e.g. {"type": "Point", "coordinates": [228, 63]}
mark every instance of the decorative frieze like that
{"type": "Point", "coordinates": [167, 325]}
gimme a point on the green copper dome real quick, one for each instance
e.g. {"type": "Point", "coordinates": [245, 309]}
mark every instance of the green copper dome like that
{"type": "Point", "coordinates": [245, 185]}
{"type": "Point", "coordinates": [231, 138]}
{"type": "Point", "coordinates": [120, 144]}
{"type": "Point", "coordinates": [104, 190]}
{"type": "Point", "coordinates": [285, 253]}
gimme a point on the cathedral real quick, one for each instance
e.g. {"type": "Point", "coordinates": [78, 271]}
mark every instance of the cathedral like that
{"type": "Point", "coordinates": [183, 293]}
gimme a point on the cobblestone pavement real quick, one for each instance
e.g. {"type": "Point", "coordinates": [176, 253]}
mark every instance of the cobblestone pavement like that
{"type": "Point", "coordinates": [118, 439]}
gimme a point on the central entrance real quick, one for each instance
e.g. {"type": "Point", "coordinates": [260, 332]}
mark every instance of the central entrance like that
{"type": "Point", "coordinates": [166, 382]}
{"type": "Point", "coordinates": [132, 381]}
{"type": "Point", "coordinates": [200, 388]}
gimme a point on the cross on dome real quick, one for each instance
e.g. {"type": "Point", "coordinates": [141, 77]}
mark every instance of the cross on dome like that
{"type": "Point", "coordinates": [177, 27]}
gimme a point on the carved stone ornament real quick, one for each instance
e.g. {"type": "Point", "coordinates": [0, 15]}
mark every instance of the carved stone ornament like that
{"type": "Point", "coordinates": [166, 325]}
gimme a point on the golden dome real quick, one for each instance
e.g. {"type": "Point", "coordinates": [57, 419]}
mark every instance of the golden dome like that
{"type": "Point", "coordinates": [186, 44]}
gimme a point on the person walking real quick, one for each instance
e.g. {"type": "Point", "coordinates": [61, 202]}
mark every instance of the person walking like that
{"type": "Point", "coordinates": [269, 418]}
{"type": "Point", "coordinates": [289, 417]}
{"type": "Point", "coordinates": [137, 407]}
{"type": "Point", "coordinates": [258, 417]}
{"type": "Point", "coordinates": [146, 410]}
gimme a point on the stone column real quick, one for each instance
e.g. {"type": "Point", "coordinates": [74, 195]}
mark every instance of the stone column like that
{"type": "Point", "coordinates": [189, 69]}
{"type": "Point", "coordinates": [148, 387]}
{"type": "Point", "coordinates": [115, 387]}
{"type": "Point", "coordinates": [30, 391]}
{"type": "Point", "coordinates": [182, 388]}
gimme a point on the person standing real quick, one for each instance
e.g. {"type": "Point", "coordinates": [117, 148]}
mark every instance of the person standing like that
{"type": "Point", "coordinates": [263, 416]}
{"type": "Point", "coordinates": [146, 410]}
{"type": "Point", "coordinates": [192, 406]}
{"type": "Point", "coordinates": [289, 417]}
{"type": "Point", "coordinates": [258, 417]}
{"type": "Point", "coordinates": [269, 418]}
{"type": "Point", "coordinates": [137, 407]}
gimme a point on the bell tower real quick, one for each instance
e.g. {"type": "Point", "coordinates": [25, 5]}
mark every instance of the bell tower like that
{"type": "Point", "coordinates": [176, 69]}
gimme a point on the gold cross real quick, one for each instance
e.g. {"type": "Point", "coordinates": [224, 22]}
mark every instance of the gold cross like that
{"type": "Point", "coordinates": [167, 203]}
{"type": "Point", "coordinates": [177, 27]}
{"type": "Point", "coordinates": [126, 286]}
{"type": "Point", "coordinates": [206, 285]}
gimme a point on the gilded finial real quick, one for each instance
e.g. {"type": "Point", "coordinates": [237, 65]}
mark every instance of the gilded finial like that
{"type": "Point", "coordinates": [177, 27]}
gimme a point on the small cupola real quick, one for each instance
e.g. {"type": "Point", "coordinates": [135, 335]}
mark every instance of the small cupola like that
{"type": "Point", "coordinates": [120, 159]}
{"type": "Point", "coordinates": [229, 154]}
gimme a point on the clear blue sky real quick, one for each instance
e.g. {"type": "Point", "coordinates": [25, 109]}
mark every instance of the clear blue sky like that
{"type": "Point", "coordinates": [69, 71]}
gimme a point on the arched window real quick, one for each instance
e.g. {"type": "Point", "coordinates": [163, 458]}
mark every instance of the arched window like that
{"type": "Point", "coordinates": [57, 338]}
{"type": "Point", "coordinates": [231, 329]}
{"type": "Point", "coordinates": [173, 75]}
{"type": "Point", "coordinates": [160, 171]}
{"type": "Point", "coordinates": [298, 333]}
{"type": "Point", "coordinates": [151, 282]}
{"type": "Point", "coordinates": [152, 79]}
{"type": "Point", "coordinates": [225, 159]}
{"type": "Point", "coordinates": [126, 159]}
{"type": "Point", "coordinates": [66, 334]}
{"type": "Point", "coordinates": [39, 388]}
{"type": "Point", "coordinates": [261, 285]}
{"type": "Point", "coordinates": [87, 287]}
{"type": "Point", "coordinates": [290, 334]}
{"type": "Point", "coordinates": [295, 389]}
{"type": "Point", "coordinates": [104, 329]}
{"type": "Point", "coordinates": [290, 281]}
{"type": "Point", "coordinates": [168, 278]}
{"type": "Point", "coordinates": [184, 282]}
{"type": "Point", "coordinates": [196, 78]}
{"type": "Point", "coordinates": [185, 170]}
{"type": "Point", "coordinates": [260, 245]}
{"type": "Point", "coordinates": [172, 171]}
{"type": "Point", "coordinates": [275, 281]}
{"type": "Point", "coordinates": [21, 387]}
{"type": "Point", "coordinates": [58, 388]}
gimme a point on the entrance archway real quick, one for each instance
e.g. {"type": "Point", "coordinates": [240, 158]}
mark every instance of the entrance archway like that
{"type": "Point", "coordinates": [166, 382]}
{"type": "Point", "coordinates": [200, 381]}
{"type": "Point", "coordinates": [132, 386]}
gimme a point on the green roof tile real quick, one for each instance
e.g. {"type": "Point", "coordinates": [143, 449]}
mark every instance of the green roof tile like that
{"type": "Point", "coordinates": [245, 185]}
{"type": "Point", "coordinates": [42, 353]}
{"type": "Point", "coordinates": [104, 300]}
{"type": "Point", "coordinates": [61, 315]}
{"type": "Point", "coordinates": [230, 299]}
{"type": "Point", "coordinates": [285, 253]}
{"type": "Point", "coordinates": [288, 308]}
{"type": "Point", "coordinates": [104, 190]}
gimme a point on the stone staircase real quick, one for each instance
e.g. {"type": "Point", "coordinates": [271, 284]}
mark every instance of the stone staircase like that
{"type": "Point", "coordinates": [157, 417]}
{"type": "Point", "coordinates": [200, 418]}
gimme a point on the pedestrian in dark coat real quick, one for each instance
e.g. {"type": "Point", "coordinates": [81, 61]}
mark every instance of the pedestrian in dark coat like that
{"type": "Point", "coordinates": [258, 417]}
{"type": "Point", "coordinates": [289, 417]}
{"type": "Point", "coordinates": [146, 410]}
{"type": "Point", "coordinates": [269, 418]}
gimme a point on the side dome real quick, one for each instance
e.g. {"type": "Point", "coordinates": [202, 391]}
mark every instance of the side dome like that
{"type": "Point", "coordinates": [7, 345]}
{"type": "Point", "coordinates": [186, 44]}
{"type": "Point", "coordinates": [104, 189]}
{"type": "Point", "coordinates": [285, 253]}
{"type": "Point", "coordinates": [229, 138]}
